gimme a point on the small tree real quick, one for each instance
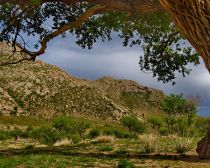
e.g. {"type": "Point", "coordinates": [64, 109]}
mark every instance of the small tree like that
{"type": "Point", "coordinates": [81, 126]}
{"type": "Point", "coordinates": [156, 122]}
{"type": "Point", "coordinates": [177, 105]}
{"type": "Point", "coordinates": [133, 124]}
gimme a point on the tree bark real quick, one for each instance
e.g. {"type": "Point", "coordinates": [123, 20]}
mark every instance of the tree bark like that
{"type": "Point", "coordinates": [193, 20]}
{"type": "Point", "coordinates": [192, 17]}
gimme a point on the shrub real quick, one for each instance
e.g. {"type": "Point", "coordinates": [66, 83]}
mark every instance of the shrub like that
{"type": "Point", "coordinates": [164, 131]}
{"type": "Point", "coordinates": [105, 148]}
{"type": "Point", "coordinates": [183, 144]}
{"type": "Point", "coordinates": [150, 143]}
{"type": "Point", "coordinates": [155, 121]}
{"type": "Point", "coordinates": [75, 138]}
{"type": "Point", "coordinates": [94, 133]}
{"type": "Point", "coordinates": [5, 135]}
{"type": "Point", "coordinates": [16, 133]}
{"type": "Point", "coordinates": [64, 124]}
{"type": "Point", "coordinates": [117, 132]}
{"type": "Point", "coordinates": [45, 135]}
{"type": "Point", "coordinates": [125, 164]}
{"type": "Point", "coordinates": [133, 124]}
{"type": "Point", "coordinates": [121, 152]}
{"type": "Point", "coordinates": [81, 126]}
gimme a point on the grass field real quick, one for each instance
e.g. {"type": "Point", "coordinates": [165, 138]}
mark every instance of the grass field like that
{"type": "Point", "coordinates": [99, 152]}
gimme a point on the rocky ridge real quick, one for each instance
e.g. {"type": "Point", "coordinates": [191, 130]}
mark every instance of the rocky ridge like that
{"type": "Point", "coordinates": [44, 90]}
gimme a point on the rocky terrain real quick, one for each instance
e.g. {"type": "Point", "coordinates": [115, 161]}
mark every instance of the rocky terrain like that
{"type": "Point", "coordinates": [43, 90]}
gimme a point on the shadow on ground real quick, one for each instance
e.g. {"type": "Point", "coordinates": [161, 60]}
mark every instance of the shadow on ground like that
{"type": "Point", "coordinates": [73, 151]}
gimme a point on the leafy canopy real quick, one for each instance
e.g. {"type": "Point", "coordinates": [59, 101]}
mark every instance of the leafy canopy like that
{"type": "Point", "coordinates": [165, 50]}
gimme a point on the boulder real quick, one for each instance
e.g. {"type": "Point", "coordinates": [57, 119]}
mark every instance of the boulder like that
{"type": "Point", "coordinates": [203, 146]}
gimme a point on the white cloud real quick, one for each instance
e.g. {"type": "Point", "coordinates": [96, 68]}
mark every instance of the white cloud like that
{"type": "Point", "coordinates": [110, 59]}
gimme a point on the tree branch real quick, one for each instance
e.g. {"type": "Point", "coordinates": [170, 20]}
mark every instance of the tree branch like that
{"type": "Point", "coordinates": [77, 23]}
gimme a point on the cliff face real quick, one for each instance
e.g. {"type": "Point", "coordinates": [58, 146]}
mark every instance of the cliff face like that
{"type": "Point", "coordinates": [40, 89]}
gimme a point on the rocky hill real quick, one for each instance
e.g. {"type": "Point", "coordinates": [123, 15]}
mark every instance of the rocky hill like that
{"type": "Point", "coordinates": [44, 90]}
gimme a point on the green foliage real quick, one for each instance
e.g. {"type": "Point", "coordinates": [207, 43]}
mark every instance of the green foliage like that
{"type": "Point", "coordinates": [133, 124]}
{"type": "Point", "coordinates": [94, 133]}
{"type": "Point", "coordinates": [5, 135]}
{"type": "Point", "coordinates": [16, 132]}
{"type": "Point", "coordinates": [125, 164]}
{"type": "Point", "coordinates": [105, 148]}
{"type": "Point", "coordinates": [162, 52]}
{"type": "Point", "coordinates": [121, 152]}
{"type": "Point", "coordinates": [177, 105]}
{"type": "Point", "coordinates": [64, 125]}
{"type": "Point", "coordinates": [164, 131]}
{"type": "Point", "coordinates": [155, 121]}
{"type": "Point", "coordinates": [117, 132]}
{"type": "Point", "coordinates": [46, 135]}
{"type": "Point", "coordinates": [81, 126]}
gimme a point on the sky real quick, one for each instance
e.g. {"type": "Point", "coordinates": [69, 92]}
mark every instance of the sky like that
{"type": "Point", "coordinates": [111, 59]}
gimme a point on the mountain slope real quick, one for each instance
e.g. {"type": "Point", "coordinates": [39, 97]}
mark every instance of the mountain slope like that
{"type": "Point", "coordinates": [44, 90]}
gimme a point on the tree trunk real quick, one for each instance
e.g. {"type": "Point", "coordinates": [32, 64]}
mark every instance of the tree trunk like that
{"type": "Point", "coordinates": [203, 146]}
{"type": "Point", "coordinates": [192, 17]}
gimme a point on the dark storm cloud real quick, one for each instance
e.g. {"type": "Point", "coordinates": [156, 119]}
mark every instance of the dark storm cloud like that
{"type": "Point", "coordinates": [110, 59]}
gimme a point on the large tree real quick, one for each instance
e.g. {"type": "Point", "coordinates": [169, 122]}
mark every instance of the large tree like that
{"type": "Point", "coordinates": [90, 20]}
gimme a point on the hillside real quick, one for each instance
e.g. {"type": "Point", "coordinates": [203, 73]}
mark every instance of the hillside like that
{"type": "Point", "coordinates": [44, 90]}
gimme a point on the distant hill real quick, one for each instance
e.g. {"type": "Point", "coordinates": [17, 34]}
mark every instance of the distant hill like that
{"type": "Point", "coordinates": [43, 90]}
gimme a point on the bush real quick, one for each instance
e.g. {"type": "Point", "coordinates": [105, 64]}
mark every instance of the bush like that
{"type": "Point", "coordinates": [125, 164]}
{"type": "Point", "coordinates": [75, 138]}
{"type": "Point", "coordinates": [133, 124]}
{"type": "Point", "coordinates": [81, 126]}
{"type": "Point", "coordinates": [5, 135]}
{"type": "Point", "coordinates": [45, 135]}
{"type": "Point", "coordinates": [121, 152]}
{"type": "Point", "coordinates": [164, 131]}
{"type": "Point", "coordinates": [64, 125]}
{"type": "Point", "coordinates": [155, 121]}
{"type": "Point", "coordinates": [183, 144]}
{"type": "Point", "coordinates": [150, 143]}
{"type": "Point", "coordinates": [16, 133]}
{"type": "Point", "coordinates": [105, 148]}
{"type": "Point", "coordinates": [117, 132]}
{"type": "Point", "coordinates": [94, 133]}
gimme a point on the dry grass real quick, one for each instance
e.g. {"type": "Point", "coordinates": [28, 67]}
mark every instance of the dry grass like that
{"type": "Point", "coordinates": [183, 144]}
{"type": "Point", "coordinates": [103, 139]}
{"type": "Point", "coordinates": [150, 142]}
{"type": "Point", "coordinates": [63, 142]}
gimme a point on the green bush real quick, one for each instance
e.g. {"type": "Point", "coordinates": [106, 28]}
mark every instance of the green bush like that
{"type": "Point", "coordinates": [105, 148]}
{"type": "Point", "coordinates": [117, 132]}
{"type": "Point", "coordinates": [64, 125]}
{"type": "Point", "coordinates": [155, 121]}
{"type": "Point", "coordinates": [164, 131]}
{"type": "Point", "coordinates": [121, 152]}
{"type": "Point", "coordinates": [45, 135]}
{"type": "Point", "coordinates": [125, 164]}
{"type": "Point", "coordinates": [81, 126]}
{"type": "Point", "coordinates": [16, 133]}
{"type": "Point", "coordinates": [94, 133]}
{"type": "Point", "coordinates": [5, 135]}
{"type": "Point", "coordinates": [133, 124]}
{"type": "Point", "coordinates": [75, 138]}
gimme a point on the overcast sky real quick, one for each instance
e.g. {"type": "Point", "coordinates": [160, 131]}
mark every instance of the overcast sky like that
{"type": "Point", "coordinates": [111, 59]}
